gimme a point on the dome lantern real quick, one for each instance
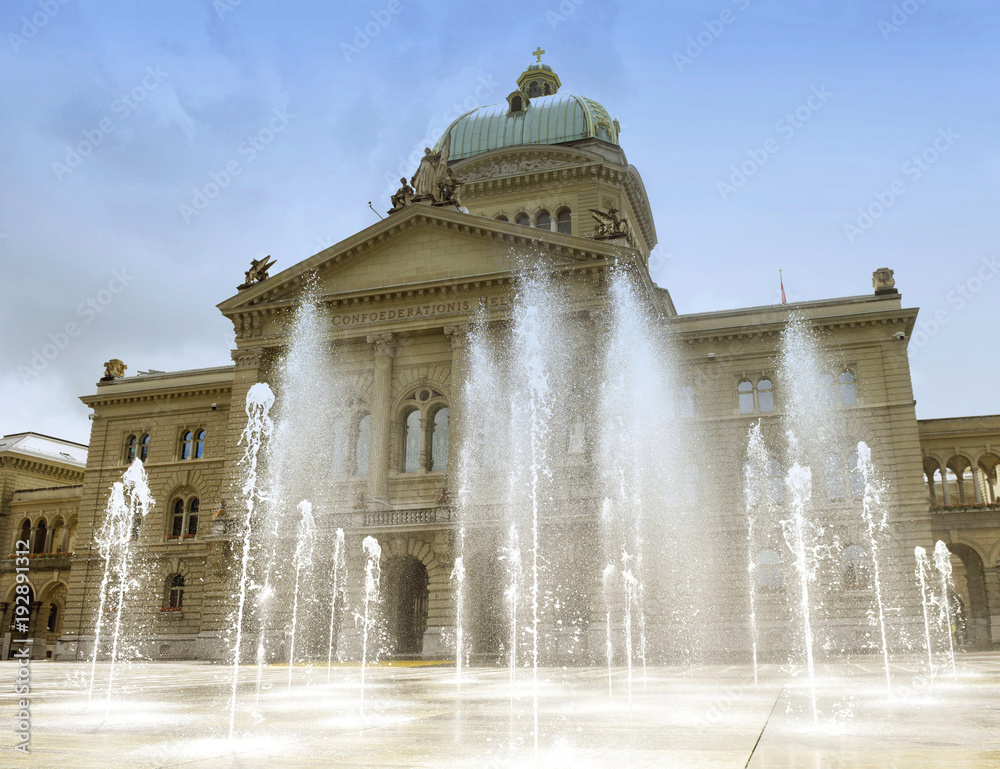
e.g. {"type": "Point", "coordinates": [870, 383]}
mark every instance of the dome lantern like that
{"type": "Point", "coordinates": [538, 79]}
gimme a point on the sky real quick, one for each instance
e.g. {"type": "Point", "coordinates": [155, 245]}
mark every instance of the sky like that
{"type": "Point", "coordinates": [149, 150]}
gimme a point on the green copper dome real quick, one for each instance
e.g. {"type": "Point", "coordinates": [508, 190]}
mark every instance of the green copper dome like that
{"type": "Point", "coordinates": [536, 113]}
{"type": "Point", "coordinates": [555, 119]}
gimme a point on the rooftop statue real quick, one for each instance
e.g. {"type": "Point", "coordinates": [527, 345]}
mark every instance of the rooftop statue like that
{"type": "Point", "coordinates": [610, 225]}
{"type": "Point", "coordinates": [431, 172]}
{"type": "Point", "coordinates": [113, 369]}
{"type": "Point", "coordinates": [257, 272]}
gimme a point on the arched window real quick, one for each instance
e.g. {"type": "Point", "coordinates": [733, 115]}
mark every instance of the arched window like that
{"type": "Point", "coordinates": [516, 104]}
{"type": "Point", "coordinates": [765, 396]}
{"type": "Point", "coordinates": [41, 533]}
{"type": "Point", "coordinates": [194, 506]}
{"type": "Point", "coordinates": [855, 566]}
{"type": "Point", "coordinates": [857, 478]}
{"type": "Point", "coordinates": [177, 523]}
{"type": "Point", "coordinates": [564, 222]}
{"type": "Point", "coordinates": [768, 571]}
{"type": "Point", "coordinates": [130, 447]}
{"type": "Point", "coordinates": [848, 392]}
{"type": "Point", "coordinates": [144, 448]}
{"type": "Point", "coordinates": [835, 487]}
{"type": "Point", "coordinates": [439, 440]}
{"type": "Point", "coordinates": [523, 219]}
{"type": "Point", "coordinates": [186, 439]}
{"type": "Point", "coordinates": [502, 218]}
{"type": "Point", "coordinates": [26, 533]}
{"type": "Point", "coordinates": [175, 591]}
{"type": "Point", "coordinates": [362, 448]}
{"type": "Point", "coordinates": [543, 221]}
{"type": "Point", "coordinates": [52, 623]}
{"type": "Point", "coordinates": [775, 482]}
{"type": "Point", "coordinates": [827, 390]}
{"type": "Point", "coordinates": [199, 446]}
{"type": "Point", "coordinates": [745, 392]}
{"type": "Point", "coordinates": [412, 442]}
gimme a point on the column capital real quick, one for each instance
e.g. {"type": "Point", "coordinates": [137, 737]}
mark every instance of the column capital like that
{"type": "Point", "coordinates": [249, 358]}
{"type": "Point", "coordinates": [384, 343]}
{"type": "Point", "coordinates": [458, 334]}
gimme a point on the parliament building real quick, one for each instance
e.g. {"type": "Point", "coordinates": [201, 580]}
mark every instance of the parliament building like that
{"type": "Point", "coordinates": [542, 172]}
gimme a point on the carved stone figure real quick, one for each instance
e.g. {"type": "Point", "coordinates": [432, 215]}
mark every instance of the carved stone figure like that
{"type": "Point", "coordinates": [403, 197]}
{"type": "Point", "coordinates": [448, 189]}
{"type": "Point", "coordinates": [257, 272]}
{"type": "Point", "coordinates": [883, 282]}
{"type": "Point", "coordinates": [431, 172]}
{"type": "Point", "coordinates": [113, 369]}
{"type": "Point", "coordinates": [610, 225]}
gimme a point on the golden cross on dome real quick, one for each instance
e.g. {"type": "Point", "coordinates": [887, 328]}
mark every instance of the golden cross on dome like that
{"type": "Point", "coordinates": [537, 53]}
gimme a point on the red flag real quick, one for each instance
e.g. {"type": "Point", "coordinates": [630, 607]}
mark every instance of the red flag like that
{"type": "Point", "coordinates": [782, 280]}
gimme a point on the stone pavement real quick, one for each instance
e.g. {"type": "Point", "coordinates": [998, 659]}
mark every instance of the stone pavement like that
{"type": "Point", "coordinates": [176, 715]}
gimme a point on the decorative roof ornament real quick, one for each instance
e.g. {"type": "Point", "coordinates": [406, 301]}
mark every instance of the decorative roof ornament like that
{"type": "Point", "coordinates": [113, 369]}
{"type": "Point", "coordinates": [883, 282]}
{"type": "Point", "coordinates": [433, 182]}
{"type": "Point", "coordinates": [257, 272]}
{"type": "Point", "coordinates": [611, 226]}
{"type": "Point", "coordinates": [538, 79]}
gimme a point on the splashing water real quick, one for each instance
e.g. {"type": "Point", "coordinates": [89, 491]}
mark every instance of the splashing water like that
{"type": "Point", "coordinates": [513, 557]}
{"type": "Point", "coordinates": [871, 506]}
{"type": "Point", "coordinates": [753, 497]}
{"type": "Point", "coordinates": [259, 426]}
{"type": "Point", "coordinates": [373, 573]}
{"type": "Point", "coordinates": [799, 482]}
{"type": "Point", "coordinates": [609, 649]}
{"type": "Point", "coordinates": [942, 561]}
{"type": "Point", "coordinates": [458, 576]}
{"type": "Point", "coordinates": [302, 560]}
{"type": "Point", "coordinates": [923, 567]}
{"type": "Point", "coordinates": [338, 567]}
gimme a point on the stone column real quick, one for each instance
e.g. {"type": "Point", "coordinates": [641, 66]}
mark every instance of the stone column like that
{"type": "Point", "coordinates": [384, 346]}
{"type": "Point", "coordinates": [945, 491]}
{"type": "Point", "coordinates": [977, 490]}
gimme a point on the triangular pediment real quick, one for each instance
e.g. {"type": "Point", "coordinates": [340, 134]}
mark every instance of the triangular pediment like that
{"type": "Point", "coordinates": [419, 246]}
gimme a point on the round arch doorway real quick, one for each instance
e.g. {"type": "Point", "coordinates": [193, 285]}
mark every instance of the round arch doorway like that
{"type": "Point", "coordinates": [406, 605]}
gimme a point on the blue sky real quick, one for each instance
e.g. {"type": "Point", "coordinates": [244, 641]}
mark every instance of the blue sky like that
{"type": "Point", "coordinates": [105, 254]}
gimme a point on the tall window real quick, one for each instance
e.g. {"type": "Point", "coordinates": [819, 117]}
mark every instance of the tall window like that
{"type": "Point", "coordinates": [564, 223]}
{"type": "Point", "coordinates": [192, 520]}
{"type": "Point", "coordinates": [424, 431]}
{"type": "Point", "coordinates": [199, 444]}
{"type": "Point", "coordinates": [177, 523]}
{"type": "Point", "coordinates": [768, 571]}
{"type": "Point", "coordinates": [26, 532]}
{"type": "Point", "coordinates": [144, 448]}
{"type": "Point", "coordinates": [175, 591]}
{"type": "Point", "coordinates": [186, 440]}
{"type": "Point", "coordinates": [362, 448]}
{"type": "Point", "coordinates": [834, 478]}
{"type": "Point", "coordinates": [745, 392]}
{"type": "Point", "coordinates": [130, 448]}
{"type": "Point", "coordinates": [41, 533]}
{"type": "Point", "coordinates": [543, 221]}
{"type": "Point", "coordinates": [53, 621]}
{"type": "Point", "coordinates": [413, 442]}
{"type": "Point", "coordinates": [848, 391]}
{"type": "Point", "coordinates": [755, 398]}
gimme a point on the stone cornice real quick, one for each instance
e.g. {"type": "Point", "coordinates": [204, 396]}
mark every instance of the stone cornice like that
{"type": "Point", "coordinates": [51, 469]}
{"type": "Point", "coordinates": [159, 393]}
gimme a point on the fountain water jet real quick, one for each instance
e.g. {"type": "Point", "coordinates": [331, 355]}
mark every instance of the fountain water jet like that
{"type": "Point", "coordinates": [338, 566]}
{"type": "Point", "coordinates": [458, 575]}
{"type": "Point", "coordinates": [942, 561]}
{"type": "Point", "coordinates": [259, 426]}
{"type": "Point", "coordinates": [302, 559]}
{"type": "Point", "coordinates": [923, 567]}
{"type": "Point", "coordinates": [373, 573]}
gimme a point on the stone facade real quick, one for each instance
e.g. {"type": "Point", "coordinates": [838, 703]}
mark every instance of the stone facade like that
{"type": "Point", "coordinates": [396, 299]}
